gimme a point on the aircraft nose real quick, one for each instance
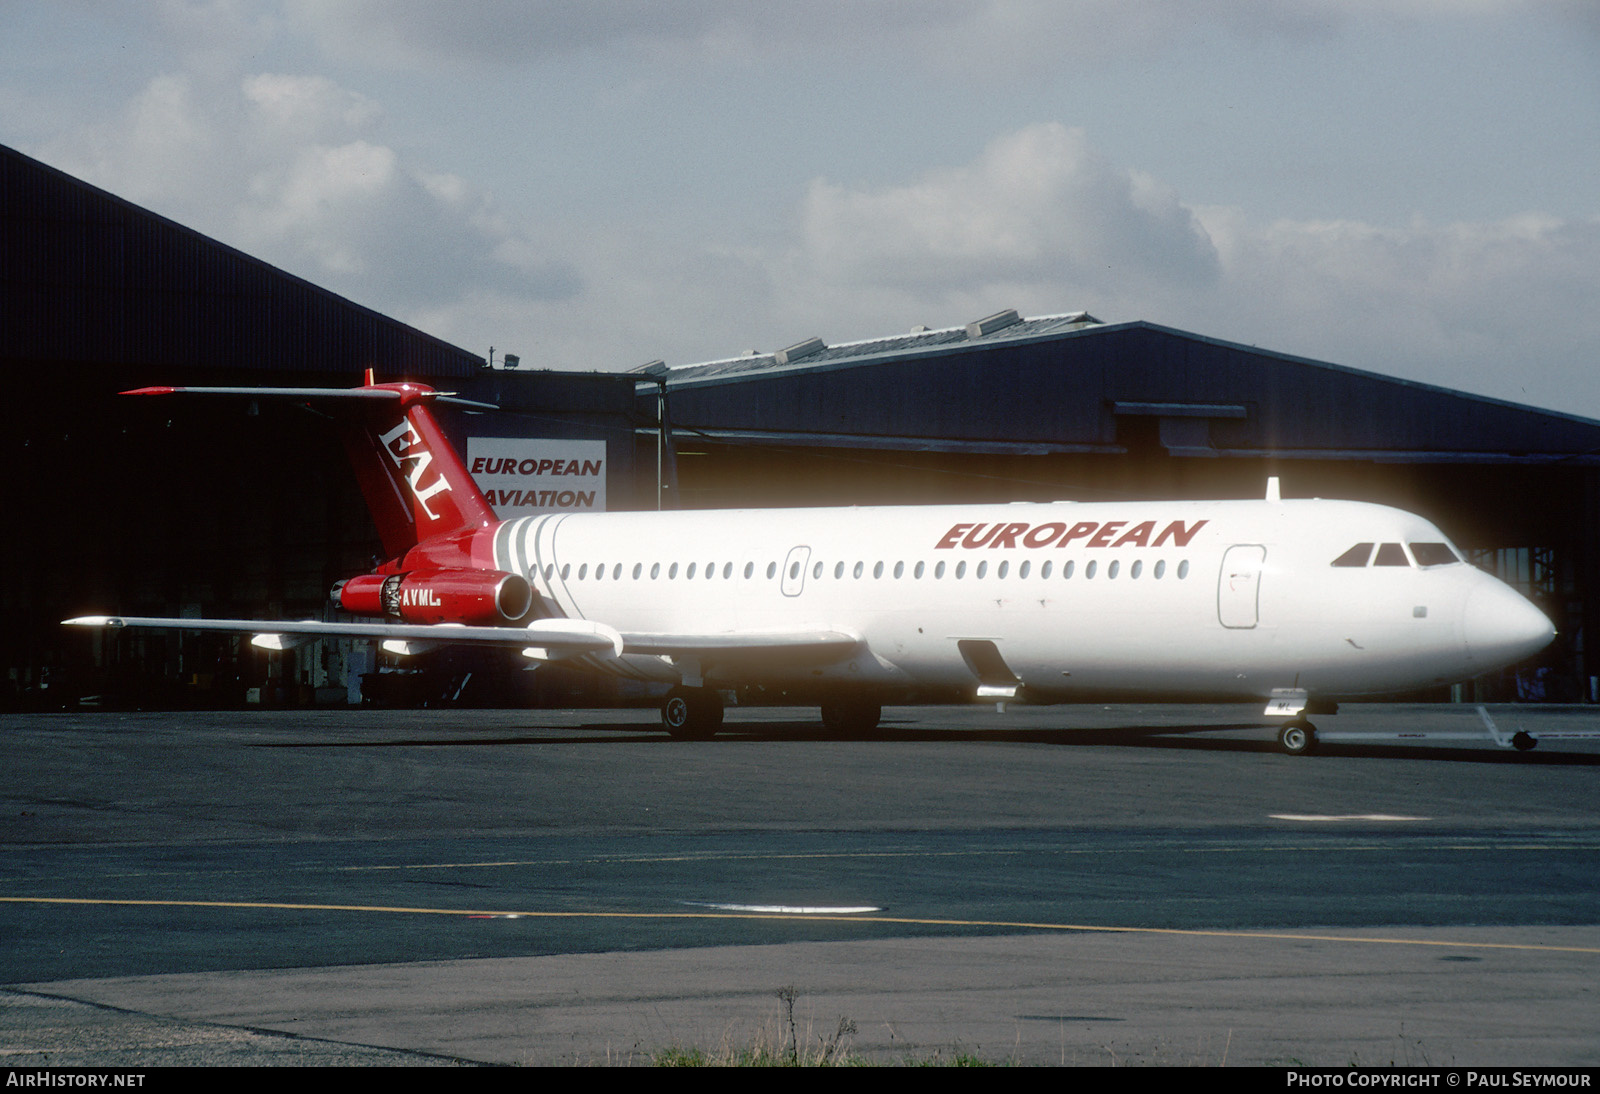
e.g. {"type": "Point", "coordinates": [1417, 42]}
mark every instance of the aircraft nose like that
{"type": "Point", "coordinates": [1500, 627]}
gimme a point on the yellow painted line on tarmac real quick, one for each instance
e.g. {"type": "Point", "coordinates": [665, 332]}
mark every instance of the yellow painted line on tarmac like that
{"type": "Point", "coordinates": [709, 856]}
{"type": "Point", "coordinates": [896, 920]}
{"type": "Point", "coordinates": [1374, 844]}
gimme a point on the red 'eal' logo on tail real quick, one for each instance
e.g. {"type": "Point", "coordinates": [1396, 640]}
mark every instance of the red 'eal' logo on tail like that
{"type": "Point", "coordinates": [404, 446]}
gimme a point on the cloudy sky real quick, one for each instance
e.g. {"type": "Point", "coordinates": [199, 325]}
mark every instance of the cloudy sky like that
{"type": "Point", "coordinates": [1407, 186]}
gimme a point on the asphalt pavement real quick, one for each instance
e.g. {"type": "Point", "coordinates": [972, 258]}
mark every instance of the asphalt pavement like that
{"type": "Point", "coordinates": [1128, 884]}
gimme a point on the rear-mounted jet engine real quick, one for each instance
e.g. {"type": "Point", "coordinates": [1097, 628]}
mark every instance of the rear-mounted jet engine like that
{"type": "Point", "coordinates": [476, 597]}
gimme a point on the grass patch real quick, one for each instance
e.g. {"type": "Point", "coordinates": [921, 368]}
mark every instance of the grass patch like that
{"type": "Point", "coordinates": [781, 1044]}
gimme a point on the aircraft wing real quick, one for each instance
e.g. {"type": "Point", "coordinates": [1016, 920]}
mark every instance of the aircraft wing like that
{"type": "Point", "coordinates": [559, 637]}
{"type": "Point", "coordinates": [562, 637]}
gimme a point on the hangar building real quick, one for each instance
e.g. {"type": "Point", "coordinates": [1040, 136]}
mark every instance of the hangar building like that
{"type": "Point", "coordinates": [165, 507]}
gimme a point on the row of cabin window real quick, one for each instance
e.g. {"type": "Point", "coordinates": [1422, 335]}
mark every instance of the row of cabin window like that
{"type": "Point", "coordinates": [1136, 570]}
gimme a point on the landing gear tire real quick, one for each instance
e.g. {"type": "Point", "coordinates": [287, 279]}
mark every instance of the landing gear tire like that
{"type": "Point", "coordinates": [1523, 741]}
{"type": "Point", "coordinates": [844, 718]}
{"type": "Point", "coordinates": [1298, 738]}
{"type": "Point", "coordinates": [692, 714]}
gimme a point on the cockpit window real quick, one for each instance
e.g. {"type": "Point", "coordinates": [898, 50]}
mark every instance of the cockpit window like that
{"type": "Point", "coordinates": [1391, 554]}
{"type": "Point", "coordinates": [1434, 554]}
{"type": "Point", "coordinates": [1355, 556]}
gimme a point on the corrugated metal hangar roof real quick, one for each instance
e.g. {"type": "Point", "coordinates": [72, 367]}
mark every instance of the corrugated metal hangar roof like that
{"type": "Point", "coordinates": [1063, 383]}
{"type": "Point", "coordinates": [814, 353]}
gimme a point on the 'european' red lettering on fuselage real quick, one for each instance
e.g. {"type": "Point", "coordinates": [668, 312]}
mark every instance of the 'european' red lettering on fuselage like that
{"type": "Point", "coordinates": [1086, 533]}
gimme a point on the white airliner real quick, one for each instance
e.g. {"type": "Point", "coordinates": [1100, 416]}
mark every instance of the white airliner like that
{"type": "Point", "coordinates": [1299, 602]}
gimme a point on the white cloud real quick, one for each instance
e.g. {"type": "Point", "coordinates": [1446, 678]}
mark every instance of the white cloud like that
{"type": "Point", "coordinates": [1039, 205]}
{"type": "Point", "coordinates": [1043, 222]}
{"type": "Point", "coordinates": [307, 107]}
{"type": "Point", "coordinates": [289, 168]}
{"type": "Point", "coordinates": [165, 149]}
{"type": "Point", "coordinates": [644, 295]}
{"type": "Point", "coordinates": [1502, 307]}
{"type": "Point", "coordinates": [321, 202]}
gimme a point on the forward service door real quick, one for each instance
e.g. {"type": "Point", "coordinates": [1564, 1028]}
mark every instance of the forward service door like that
{"type": "Point", "coordinates": [1239, 586]}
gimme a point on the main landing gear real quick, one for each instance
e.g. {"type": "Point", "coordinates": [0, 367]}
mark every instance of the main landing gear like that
{"type": "Point", "coordinates": [692, 714]}
{"type": "Point", "coordinates": [1298, 737]}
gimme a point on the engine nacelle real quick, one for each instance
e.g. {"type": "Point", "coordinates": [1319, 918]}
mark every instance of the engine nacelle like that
{"type": "Point", "coordinates": [483, 597]}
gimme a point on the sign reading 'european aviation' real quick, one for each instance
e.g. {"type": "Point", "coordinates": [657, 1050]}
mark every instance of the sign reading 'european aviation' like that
{"type": "Point", "coordinates": [521, 477]}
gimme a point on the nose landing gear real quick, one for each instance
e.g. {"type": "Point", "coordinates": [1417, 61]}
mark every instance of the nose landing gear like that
{"type": "Point", "coordinates": [1298, 737]}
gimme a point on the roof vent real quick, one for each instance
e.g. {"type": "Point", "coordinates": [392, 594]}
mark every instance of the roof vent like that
{"type": "Point", "coordinates": [799, 350]}
{"type": "Point", "coordinates": [989, 324]}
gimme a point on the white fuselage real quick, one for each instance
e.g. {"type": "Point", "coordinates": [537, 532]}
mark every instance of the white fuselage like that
{"type": "Point", "coordinates": [1162, 598]}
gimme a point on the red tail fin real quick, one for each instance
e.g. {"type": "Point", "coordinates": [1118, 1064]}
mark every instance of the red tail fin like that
{"type": "Point", "coordinates": [414, 483]}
